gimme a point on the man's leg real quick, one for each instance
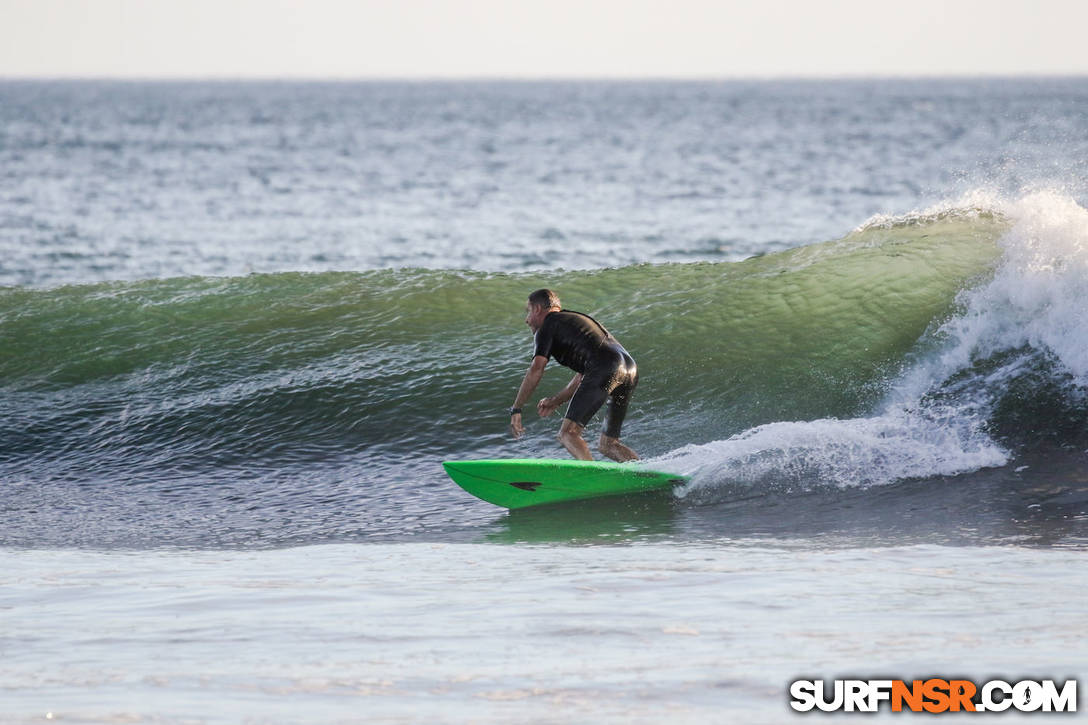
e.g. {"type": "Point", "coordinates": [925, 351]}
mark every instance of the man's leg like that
{"type": "Point", "coordinates": [570, 435]}
{"type": "Point", "coordinates": [610, 444]}
{"type": "Point", "coordinates": [587, 400]}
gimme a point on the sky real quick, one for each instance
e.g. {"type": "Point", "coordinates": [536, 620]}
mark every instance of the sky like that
{"type": "Point", "coordinates": [432, 39]}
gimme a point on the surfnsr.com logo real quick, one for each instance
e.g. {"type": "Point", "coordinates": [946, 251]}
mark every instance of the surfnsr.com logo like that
{"type": "Point", "coordinates": [933, 695]}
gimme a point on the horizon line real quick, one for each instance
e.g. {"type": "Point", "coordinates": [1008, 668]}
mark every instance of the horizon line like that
{"type": "Point", "coordinates": [545, 78]}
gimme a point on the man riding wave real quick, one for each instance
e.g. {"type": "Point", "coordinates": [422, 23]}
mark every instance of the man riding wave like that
{"type": "Point", "coordinates": [604, 371]}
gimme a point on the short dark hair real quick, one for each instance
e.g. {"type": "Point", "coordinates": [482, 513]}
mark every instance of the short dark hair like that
{"type": "Point", "coordinates": [544, 298]}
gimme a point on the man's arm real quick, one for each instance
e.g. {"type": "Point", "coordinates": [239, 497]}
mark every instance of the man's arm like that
{"type": "Point", "coordinates": [528, 385]}
{"type": "Point", "coordinates": [547, 406]}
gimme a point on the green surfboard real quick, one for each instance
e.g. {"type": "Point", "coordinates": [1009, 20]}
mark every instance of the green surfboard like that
{"type": "Point", "coordinates": [518, 483]}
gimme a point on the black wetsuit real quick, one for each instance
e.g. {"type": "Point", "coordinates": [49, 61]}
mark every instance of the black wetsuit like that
{"type": "Point", "coordinates": [609, 373]}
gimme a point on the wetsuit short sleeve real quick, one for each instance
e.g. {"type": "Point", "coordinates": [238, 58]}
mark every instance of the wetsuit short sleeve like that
{"type": "Point", "coordinates": [544, 340]}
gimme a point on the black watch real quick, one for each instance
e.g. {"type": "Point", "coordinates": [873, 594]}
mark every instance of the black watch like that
{"type": "Point", "coordinates": [515, 411]}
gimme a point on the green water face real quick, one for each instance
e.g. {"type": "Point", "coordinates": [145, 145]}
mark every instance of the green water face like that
{"type": "Point", "coordinates": [416, 359]}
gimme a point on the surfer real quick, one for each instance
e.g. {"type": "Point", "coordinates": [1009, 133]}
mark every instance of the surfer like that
{"type": "Point", "coordinates": [603, 371]}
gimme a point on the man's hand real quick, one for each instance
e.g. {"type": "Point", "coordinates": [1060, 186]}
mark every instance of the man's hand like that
{"type": "Point", "coordinates": [528, 385]}
{"type": "Point", "coordinates": [546, 406]}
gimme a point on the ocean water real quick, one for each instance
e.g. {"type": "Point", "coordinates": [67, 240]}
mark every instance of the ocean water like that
{"type": "Point", "coordinates": [242, 324]}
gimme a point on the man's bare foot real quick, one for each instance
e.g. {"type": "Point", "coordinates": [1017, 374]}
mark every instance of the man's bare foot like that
{"type": "Point", "coordinates": [615, 450]}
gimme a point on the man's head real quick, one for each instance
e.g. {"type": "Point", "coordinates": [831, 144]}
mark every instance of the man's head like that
{"type": "Point", "coordinates": [539, 305]}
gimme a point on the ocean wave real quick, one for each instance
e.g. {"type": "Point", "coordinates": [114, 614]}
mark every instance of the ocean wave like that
{"type": "Point", "coordinates": [1007, 370]}
{"type": "Point", "coordinates": [917, 346]}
